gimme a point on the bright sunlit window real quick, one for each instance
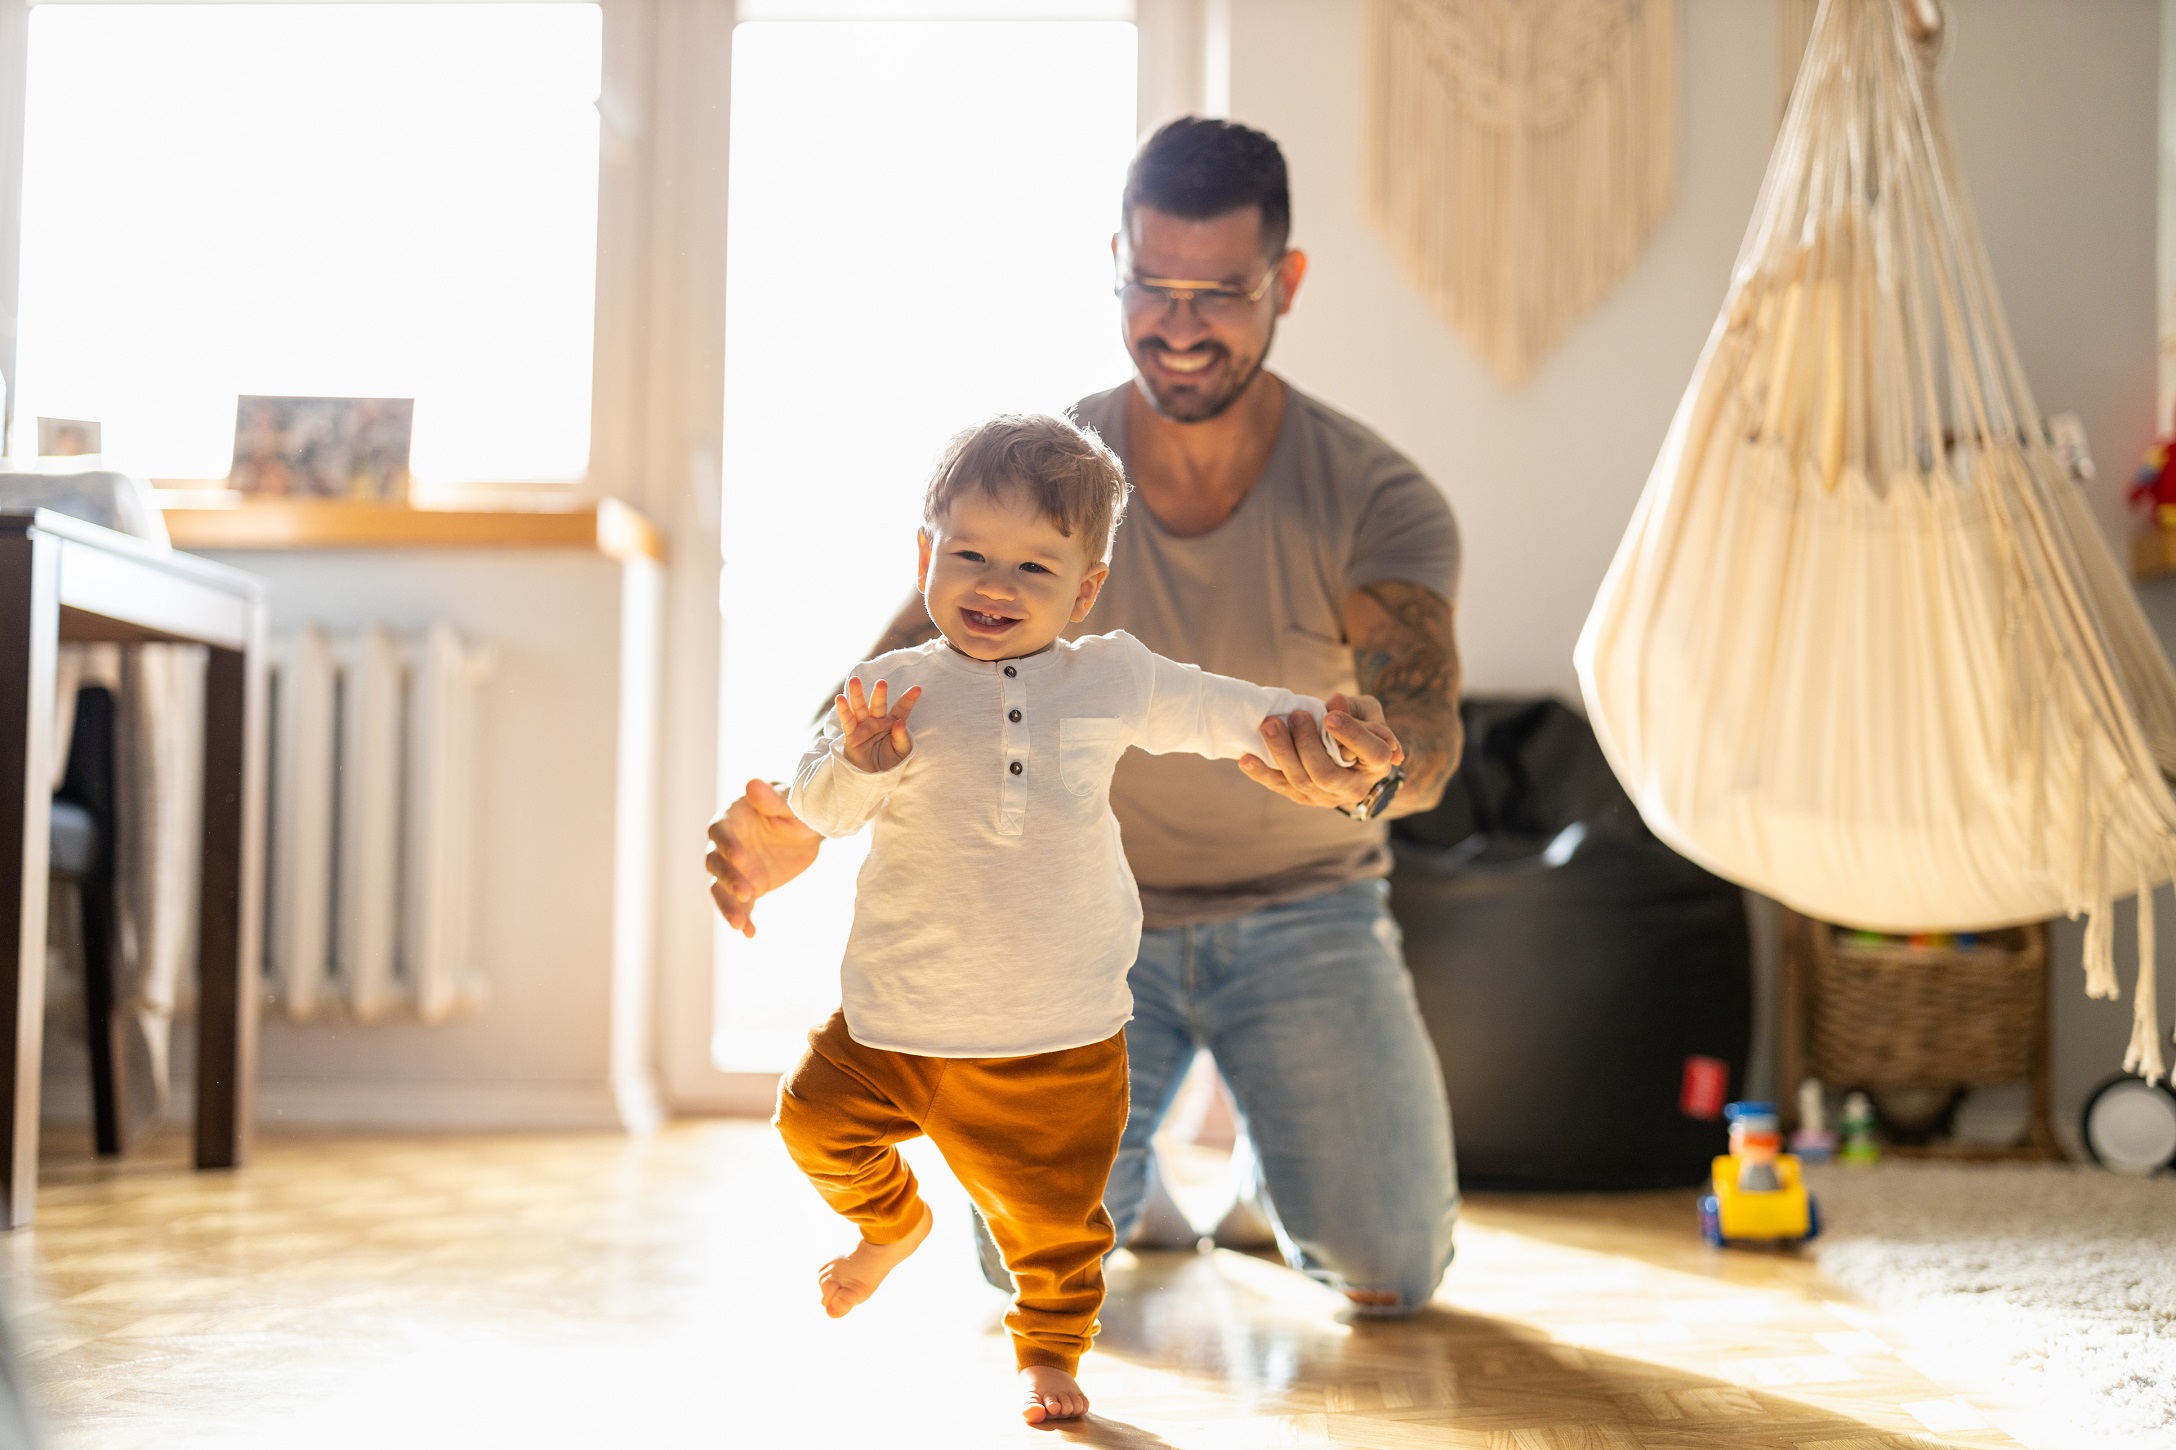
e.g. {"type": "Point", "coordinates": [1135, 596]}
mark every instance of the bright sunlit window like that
{"type": "Point", "coordinates": [919, 236]}
{"type": "Point", "coordinates": [331, 200]}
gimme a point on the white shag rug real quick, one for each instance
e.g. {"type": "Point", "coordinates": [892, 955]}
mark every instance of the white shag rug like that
{"type": "Point", "coordinates": [2053, 1285]}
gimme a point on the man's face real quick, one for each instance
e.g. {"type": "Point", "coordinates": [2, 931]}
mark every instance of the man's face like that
{"type": "Point", "coordinates": [1194, 360]}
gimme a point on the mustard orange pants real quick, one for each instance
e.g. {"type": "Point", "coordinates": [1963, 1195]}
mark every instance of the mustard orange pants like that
{"type": "Point", "coordinates": [1031, 1138]}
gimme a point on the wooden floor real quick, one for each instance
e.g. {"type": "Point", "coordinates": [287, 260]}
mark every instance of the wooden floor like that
{"type": "Point", "coordinates": [540, 1291]}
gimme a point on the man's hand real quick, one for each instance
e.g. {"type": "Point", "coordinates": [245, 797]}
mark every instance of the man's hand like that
{"type": "Point", "coordinates": [874, 732]}
{"type": "Point", "coordinates": [1299, 769]}
{"type": "Point", "coordinates": [758, 845]}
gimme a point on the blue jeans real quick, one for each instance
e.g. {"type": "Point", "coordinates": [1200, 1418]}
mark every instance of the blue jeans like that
{"type": "Point", "coordinates": [1311, 1018]}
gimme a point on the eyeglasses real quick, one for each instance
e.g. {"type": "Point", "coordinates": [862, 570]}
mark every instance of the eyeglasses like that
{"type": "Point", "coordinates": [1212, 301]}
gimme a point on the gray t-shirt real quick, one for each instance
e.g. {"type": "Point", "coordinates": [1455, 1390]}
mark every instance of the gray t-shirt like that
{"type": "Point", "coordinates": [1261, 597]}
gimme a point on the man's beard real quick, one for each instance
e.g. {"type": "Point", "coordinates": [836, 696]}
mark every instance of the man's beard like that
{"type": "Point", "coordinates": [1188, 406]}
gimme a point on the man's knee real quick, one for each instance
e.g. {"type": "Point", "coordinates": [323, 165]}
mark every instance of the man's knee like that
{"type": "Point", "coordinates": [1393, 1273]}
{"type": "Point", "coordinates": [1403, 1291]}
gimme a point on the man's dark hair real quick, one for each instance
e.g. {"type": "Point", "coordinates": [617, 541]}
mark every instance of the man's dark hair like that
{"type": "Point", "coordinates": [1198, 168]}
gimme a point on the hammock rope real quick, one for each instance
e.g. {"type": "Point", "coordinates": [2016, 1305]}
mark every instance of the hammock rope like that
{"type": "Point", "coordinates": [1863, 647]}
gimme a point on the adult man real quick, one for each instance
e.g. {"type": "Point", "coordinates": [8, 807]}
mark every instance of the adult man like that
{"type": "Point", "coordinates": [1273, 539]}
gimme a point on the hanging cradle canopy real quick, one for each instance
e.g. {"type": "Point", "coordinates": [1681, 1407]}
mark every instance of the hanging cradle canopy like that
{"type": "Point", "coordinates": [1863, 647]}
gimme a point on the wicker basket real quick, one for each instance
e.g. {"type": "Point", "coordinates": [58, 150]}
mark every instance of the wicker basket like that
{"type": "Point", "coordinates": [1893, 1015]}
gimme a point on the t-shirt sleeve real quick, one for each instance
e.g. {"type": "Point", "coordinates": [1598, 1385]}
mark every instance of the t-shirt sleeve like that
{"type": "Point", "coordinates": [1406, 532]}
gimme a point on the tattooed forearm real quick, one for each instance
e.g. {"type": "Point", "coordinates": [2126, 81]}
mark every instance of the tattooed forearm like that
{"type": "Point", "coordinates": [910, 627]}
{"type": "Point", "coordinates": [1405, 654]}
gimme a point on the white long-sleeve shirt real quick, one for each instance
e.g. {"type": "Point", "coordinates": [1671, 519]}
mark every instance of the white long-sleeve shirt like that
{"type": "Point", "coordinates": [996, 915]}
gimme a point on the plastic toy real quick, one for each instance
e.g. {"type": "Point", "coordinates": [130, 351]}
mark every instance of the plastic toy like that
{"type": "Point", "coordinates": [1756, 1194]}
{"type": "Point", "coordinates": [1860, 1147]}
{"type": "Point", "coordinates": [1813, 1142]}
{"type": "Point", "coordinates": [1936, 940]}
{"type": "Point", "coordinates": [2153, 487]}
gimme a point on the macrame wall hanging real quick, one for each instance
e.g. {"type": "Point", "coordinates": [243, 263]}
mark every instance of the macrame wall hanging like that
{"type": "Point", "coordinates": [1519, 154]}
{"type": "Point", "coordinates": [1863, 647]}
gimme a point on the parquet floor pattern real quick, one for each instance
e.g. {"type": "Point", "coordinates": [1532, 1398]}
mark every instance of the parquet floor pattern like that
{"type": "Point", "coordinates": [549, 1290]}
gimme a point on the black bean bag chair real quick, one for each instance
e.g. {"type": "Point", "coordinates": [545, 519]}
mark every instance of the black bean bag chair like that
{"type": "Point", "coordinates": [1588, 989]}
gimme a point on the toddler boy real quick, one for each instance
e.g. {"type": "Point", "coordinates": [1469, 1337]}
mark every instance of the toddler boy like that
{"type": "Point", "coordinates": [984, 985]}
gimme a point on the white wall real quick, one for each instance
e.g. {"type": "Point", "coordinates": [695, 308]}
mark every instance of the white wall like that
{"type": "Point", "coordinates": [2054, 107]}
{"type": "Point", "coordinates": [1543, 478]}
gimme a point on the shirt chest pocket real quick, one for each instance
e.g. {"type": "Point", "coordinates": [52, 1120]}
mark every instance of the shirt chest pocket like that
{"type": "Point", "coordinates": [1087, 751]}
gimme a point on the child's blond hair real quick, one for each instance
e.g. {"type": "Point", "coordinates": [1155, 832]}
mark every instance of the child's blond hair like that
{"type": "Point", "coordinates": [1071, 475]}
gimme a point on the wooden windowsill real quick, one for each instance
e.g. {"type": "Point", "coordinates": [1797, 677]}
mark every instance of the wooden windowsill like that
{"type": "Point", "coordinates": [610, 527]}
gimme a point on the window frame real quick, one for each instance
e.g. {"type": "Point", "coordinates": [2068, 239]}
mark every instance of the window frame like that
{"type": "Point", "coordinates": [657, 402]}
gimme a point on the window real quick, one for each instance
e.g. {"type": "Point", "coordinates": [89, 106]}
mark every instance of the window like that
{"type": "Point", "coordinates": [918, 238]}
{"type": "Point", "coordinates": [345, 200]}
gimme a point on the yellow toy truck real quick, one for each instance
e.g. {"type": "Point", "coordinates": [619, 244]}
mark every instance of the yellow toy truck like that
{"type": "Point", "coordinates": [1756, 1194]}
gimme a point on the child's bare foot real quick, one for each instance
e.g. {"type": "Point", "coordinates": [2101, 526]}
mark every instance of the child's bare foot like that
{"type": "Point", "coordinates": [1052, 1395]}
{"type": "Point", "coordinates": [851, 1278]}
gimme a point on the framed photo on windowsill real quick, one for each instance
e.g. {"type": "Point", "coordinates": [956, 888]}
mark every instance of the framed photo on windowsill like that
{"type": "Point", "coordinates": [350, 448]}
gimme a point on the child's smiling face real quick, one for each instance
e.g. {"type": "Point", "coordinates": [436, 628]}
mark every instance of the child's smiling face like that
{"type": "Point", "coordinates": [1000, 580]}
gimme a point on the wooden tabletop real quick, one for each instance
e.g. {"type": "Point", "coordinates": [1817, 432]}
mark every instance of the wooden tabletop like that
{"type": "Point", "coordinates": [117, 588]}
{"type": "Point", "coordinates": [610, 527]}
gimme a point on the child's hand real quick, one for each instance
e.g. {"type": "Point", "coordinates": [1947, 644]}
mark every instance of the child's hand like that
{"type": "Point", "coordinates": [875, 738]}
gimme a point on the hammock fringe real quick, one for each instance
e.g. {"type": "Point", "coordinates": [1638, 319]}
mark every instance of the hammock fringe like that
{"type": "Point", "coordinates": [2143, 1056]}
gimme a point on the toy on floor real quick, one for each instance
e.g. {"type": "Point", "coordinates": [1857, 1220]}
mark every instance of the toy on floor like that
{"type": "Point", "coordinates": [1813, 1142]}
{"type": "Point", "coordinates": [2153, 488]}
{"type": "Point", "coordinates": [1756, 1194]}
{"type": "Point", "coordinates": [1860, 1147]}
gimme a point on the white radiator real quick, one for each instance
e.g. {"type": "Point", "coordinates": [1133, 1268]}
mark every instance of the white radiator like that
{"type": "Point", "coordinates": [373, 790]}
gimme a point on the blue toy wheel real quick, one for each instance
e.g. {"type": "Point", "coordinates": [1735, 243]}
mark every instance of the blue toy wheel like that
{"type": "Point", "coordinates": [1711, 1220]}
{"type": "Point", "coordinates": [1813, 1219]}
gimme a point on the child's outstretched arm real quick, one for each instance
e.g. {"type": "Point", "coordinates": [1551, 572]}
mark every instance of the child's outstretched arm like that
{"type": "Point", "coordinates": [1190, 711]}
{"type": "Point", "coordinates": [857, 760]}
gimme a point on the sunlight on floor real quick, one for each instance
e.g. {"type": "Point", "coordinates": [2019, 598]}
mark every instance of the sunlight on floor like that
{"type": "Point", "coordinates": [556, 1290]}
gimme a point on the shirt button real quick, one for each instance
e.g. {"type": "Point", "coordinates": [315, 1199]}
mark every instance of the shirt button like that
{"type": "Point", "coordinates": [1016, 767]}
{"type": "Point", "coordinates": [1013, 716]}
{"type": "Point", "coordinates": [1010, 672]}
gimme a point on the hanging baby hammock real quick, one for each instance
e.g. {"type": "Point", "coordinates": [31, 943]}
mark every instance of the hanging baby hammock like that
{"type": "Point", "coordinates": [1863, 648]}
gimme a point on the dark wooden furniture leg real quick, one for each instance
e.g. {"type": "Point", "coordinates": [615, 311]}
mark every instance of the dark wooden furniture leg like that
{"type": "Point", "coordinates": [2041, 1137]}
{"type": "Point", "coordinates": [105, 1027]}
{"type": "Point", "coordinates": [29, 641]}
{"type": "Point", "coordinates": [1790, 1015]}
{"type": "Point", "coordinates": [230, 934]}
{"type": "Point", "coordinates": [90, 784]}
